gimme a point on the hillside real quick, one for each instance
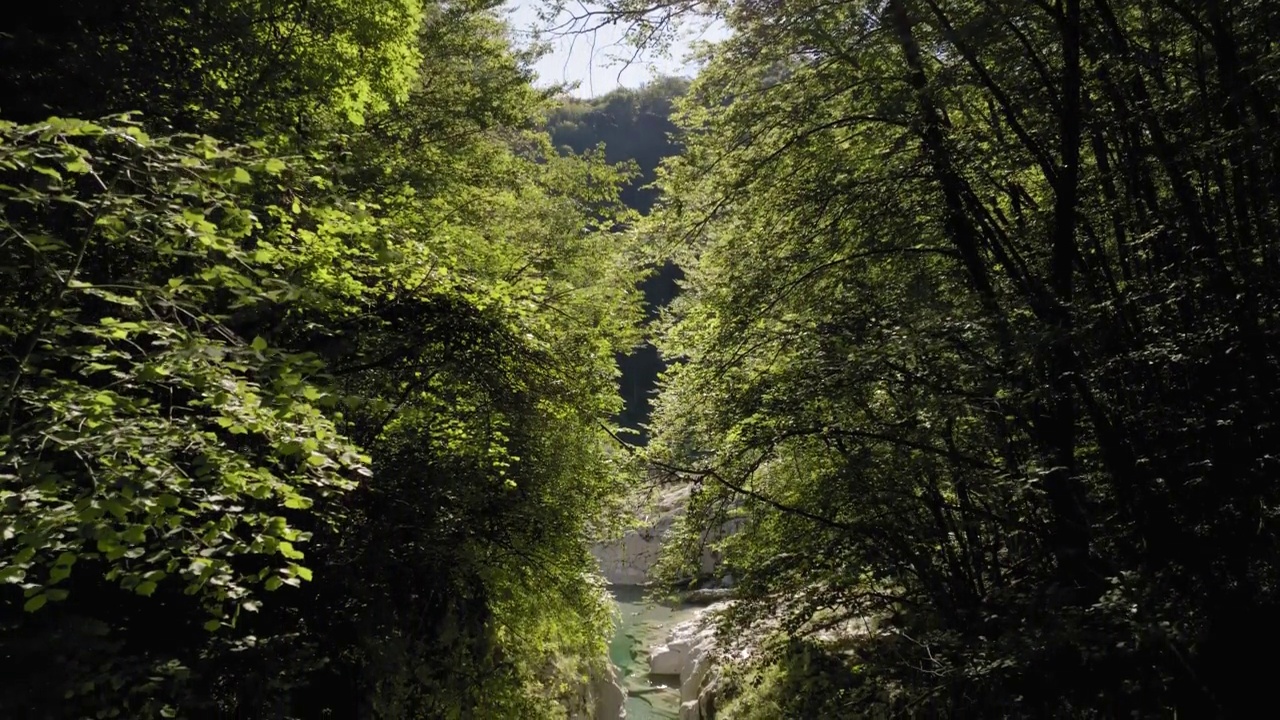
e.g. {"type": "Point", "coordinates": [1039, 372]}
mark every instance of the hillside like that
{"type": "Point", "coordinates": [634, 126]}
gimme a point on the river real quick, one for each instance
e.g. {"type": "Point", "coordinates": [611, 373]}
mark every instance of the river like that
{"type": "Point", "coordinates": [644, 625]}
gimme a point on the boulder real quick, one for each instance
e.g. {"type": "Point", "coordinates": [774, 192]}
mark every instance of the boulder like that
{"type": "Point", "coordinates": [666, 660]}
{"type": "Point", "coordinates": [707, 596]}
{"type": "Point", "coordinates": [694, 674]}
{"type": "Point", "coordinates": [672, 657]}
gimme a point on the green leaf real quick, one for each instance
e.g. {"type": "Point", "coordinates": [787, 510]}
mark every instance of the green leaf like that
{"type": "Point", "coordinates": [78, 165]}
{"type": "Point", "coordinates": [35, 603]}
{"type": "Point", "coordinates": [115, 507]}
{"type": "Point", "coordinates": [145, 588]}
{"type": "Point", "coordinates": [297, 502]}
{"type": "Point", "coordinates": [213, 625]}
{"type": "Point", "coordinates": [259, 343]}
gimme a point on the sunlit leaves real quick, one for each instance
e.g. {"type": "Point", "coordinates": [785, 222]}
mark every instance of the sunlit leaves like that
{"type": "Point", "coordinates": [251, 67]}
{"type": "Point", "coordinates": [203, 331]}
{"type": "Point", "coordinates": [135, 414]}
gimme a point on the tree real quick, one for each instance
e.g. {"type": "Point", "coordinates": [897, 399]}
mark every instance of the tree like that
{"type": "Point", "coordinates": [149, 450]}
{"type": "Point", "coordinates": [978, 332]}
{"type": "Point", "coordinates": [633, 126]}
{"type": "Point", "coordinates": [310, 420]}
{"type": "Point", "coordinates": [237, 67]}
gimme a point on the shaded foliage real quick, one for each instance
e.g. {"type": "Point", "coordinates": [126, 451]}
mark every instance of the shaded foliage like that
{"type": "Point", "coordinates": [634, 126]}
{"type": "Point", "coordinates": [309, 421]}
{"type": "Point", "coordinates": [980, 336]}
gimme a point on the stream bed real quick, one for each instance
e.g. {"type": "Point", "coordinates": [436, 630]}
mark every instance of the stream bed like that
{"type": "Point", "coordinates": [642, 626]}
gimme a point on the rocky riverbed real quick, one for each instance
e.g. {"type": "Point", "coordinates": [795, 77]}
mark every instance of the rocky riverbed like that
{"type": "Point", "coordinates": [663, 655]}
{"type": "Point", "coordinates": [646, 628]}
{"type": "Point", "coordinates": [642, 626]}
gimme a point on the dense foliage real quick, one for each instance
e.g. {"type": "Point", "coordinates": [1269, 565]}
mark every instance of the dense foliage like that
{"type": "Point", "coordinates": [634, 127]}
{"type": "Point", "coordinates": [306, 369]}
{"type": "Point", "coordinates": [309, 332]}
{"type": "Point", "coordinates": [980, 337]}
{"type": "Point", "coordinates": [247, 66]}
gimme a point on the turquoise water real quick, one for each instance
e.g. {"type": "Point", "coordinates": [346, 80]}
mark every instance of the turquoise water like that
{"type": "Point", "coordinates": [644, 625]}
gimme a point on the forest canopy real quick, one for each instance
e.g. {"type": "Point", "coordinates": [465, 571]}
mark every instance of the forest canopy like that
{"type": "Point", "coordinates": [309, 365]}
{"type": "Point", "coordinates": [978, 340]}
{"type": "Point", "coordinates": [312, 312]}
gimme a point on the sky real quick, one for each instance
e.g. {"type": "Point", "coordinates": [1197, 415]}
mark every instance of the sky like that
{"type": "Point", "coordinates": [592, 59]}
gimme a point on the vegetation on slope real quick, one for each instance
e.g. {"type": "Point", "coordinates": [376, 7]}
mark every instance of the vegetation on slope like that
{"type": "Point", "coordinates": [634, 127]}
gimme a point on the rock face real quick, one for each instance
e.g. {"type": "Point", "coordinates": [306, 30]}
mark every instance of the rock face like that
{"type": "Point", "coordinates": [688, 653]}
{"type": "Point", "coordinates": [600, 697]}
{"type": "Point", "coordinates": [628, 560]}
{"type": "Point", "coordinates": [609, 697]}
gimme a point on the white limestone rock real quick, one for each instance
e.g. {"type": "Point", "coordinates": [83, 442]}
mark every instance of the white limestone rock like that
{"type": "Point", "coordinates": [627, 560]}
{"type": "Point", "coordinates": [598, 696]}
{"type": "Point", "coordinates": [688, 653]}
{"type": "Point", "coordinates": [694, 674]}
{"type": "Point", "coordinates": [667, 659]}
